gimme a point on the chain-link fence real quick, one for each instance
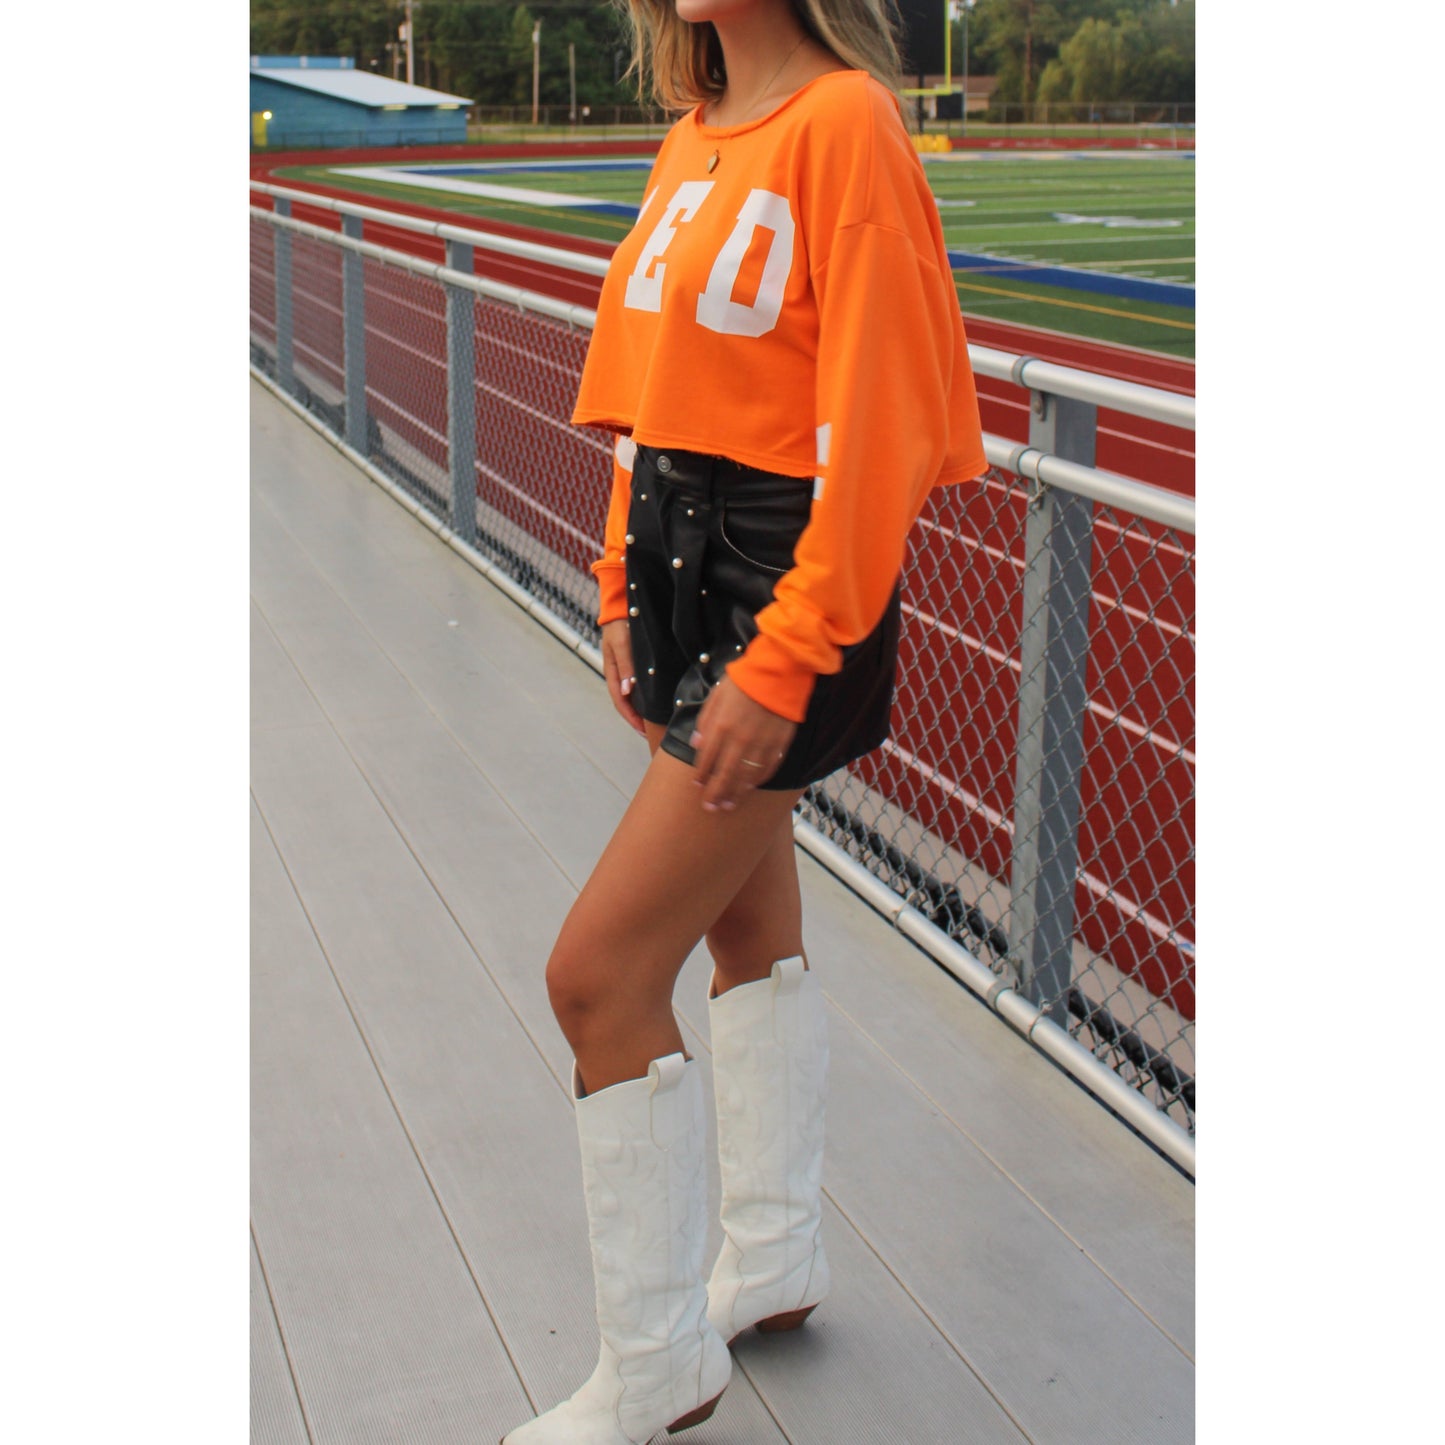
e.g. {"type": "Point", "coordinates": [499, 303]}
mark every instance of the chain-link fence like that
{"type": "Point", "coordinates": [1035, 801]}
{"type": "Point", "coordinates": [1048, 114]}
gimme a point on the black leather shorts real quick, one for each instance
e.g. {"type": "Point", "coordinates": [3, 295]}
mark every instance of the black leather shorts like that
{"type": "Point", "coordinates": [708, 539]}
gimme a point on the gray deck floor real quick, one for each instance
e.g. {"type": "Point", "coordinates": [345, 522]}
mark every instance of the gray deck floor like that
{"type": "Point", "coordinates": [432, 777]}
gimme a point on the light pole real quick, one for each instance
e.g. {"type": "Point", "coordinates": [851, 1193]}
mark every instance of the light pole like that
{"type": "Point", "coordinates": [410, 72]}
{"type": "Point", "coordinates": [963, 120]}
{"type": "Point", "coordinates": [536, 66]}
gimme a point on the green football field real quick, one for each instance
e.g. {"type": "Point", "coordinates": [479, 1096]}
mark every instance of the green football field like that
{"type": "Point", "coordinates": [1125, 214]}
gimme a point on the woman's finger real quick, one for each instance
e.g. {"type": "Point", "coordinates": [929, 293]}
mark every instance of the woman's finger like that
{"type": "Point", "coordinates": [708, 741]}
{"type": "Point", "coordinates": [738, 747]}
{"type": "Point", "coordinates": [738, 770]}
{"type": "Point", "coordinates": [621, 644]}
{"type": "Point", "coordinates": [720, 790]}
{"type": "Point", "coordinates": [754, 772]}
{"type": "Point", "coordinates": [621, 680]}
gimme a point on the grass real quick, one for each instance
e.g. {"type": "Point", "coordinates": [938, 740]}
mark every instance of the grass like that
{"type": "Point", "coordinates": [999, 203]}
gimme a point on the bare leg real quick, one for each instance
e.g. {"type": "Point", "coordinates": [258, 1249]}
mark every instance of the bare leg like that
{"type": "Point", "coordinates": [763, 921]}
{"type": "Point", "coordinates": [666, 876]}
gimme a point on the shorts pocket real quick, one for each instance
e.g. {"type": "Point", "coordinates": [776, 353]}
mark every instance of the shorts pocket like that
{"type": "Point", "coordinates": [763, 531]}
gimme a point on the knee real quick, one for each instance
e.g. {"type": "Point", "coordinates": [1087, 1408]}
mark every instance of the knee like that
{"type": "Point", "coordinates": [574, 988]}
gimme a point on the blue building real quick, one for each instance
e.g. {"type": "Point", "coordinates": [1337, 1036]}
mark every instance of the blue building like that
{"type": "Point", "coordinates": [315, 100]}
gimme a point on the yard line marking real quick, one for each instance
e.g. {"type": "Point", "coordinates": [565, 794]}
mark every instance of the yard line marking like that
{"type": "Point", "coordinates": [978, 226]}
{"type": "Point", "coordinates": [1073, 218]}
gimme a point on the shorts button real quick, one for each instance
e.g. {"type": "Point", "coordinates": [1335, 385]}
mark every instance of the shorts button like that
{"type": "Point", "coordinates": [704, 657]}
{"type": "Point", "coordinates": [664, 464]}
{"type": "Point", "coordinates": [677, 561]}
{"type": "Point", "coordinates": [632, 612]}
{"type": "Point", "coordinates": [651, 671]}
{"type": "Point", "coordinates": [629, 539]}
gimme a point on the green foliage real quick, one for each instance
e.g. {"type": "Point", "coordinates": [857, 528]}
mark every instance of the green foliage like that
{"type": "Point", "coordinates": [1086, 50]}
{"type": "Point", "coordinates": [478, 48]}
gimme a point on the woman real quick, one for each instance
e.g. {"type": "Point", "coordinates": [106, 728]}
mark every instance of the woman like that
{"type": "Point", "coordinates": [780, 355]}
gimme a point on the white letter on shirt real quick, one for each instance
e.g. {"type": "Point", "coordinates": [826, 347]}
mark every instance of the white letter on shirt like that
{"type": "Point", "coordinates": [644, 292]}
{"type": "Point", "coordinates": [715, 307]}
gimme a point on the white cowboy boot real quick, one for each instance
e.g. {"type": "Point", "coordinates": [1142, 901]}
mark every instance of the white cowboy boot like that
{"type": "Point", "coordinates": [770, 1070]}
{"type": "Point", "coordinates": [661, 1363]}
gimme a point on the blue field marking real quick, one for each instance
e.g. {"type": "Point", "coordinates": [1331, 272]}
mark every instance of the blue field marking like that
{"type": "Point", "coordinates": [607, 208]}
{"type": "Point", "coordinates": [1102, 283]}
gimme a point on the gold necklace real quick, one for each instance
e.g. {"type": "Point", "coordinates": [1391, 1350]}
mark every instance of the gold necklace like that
{"type": "Point", "coordinates": [713, 159]}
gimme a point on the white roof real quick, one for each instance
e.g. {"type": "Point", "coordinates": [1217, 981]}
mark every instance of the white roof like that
{"type": "Point", "coordinates": [360, 86]}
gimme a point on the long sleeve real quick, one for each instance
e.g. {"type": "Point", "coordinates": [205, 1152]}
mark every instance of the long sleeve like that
{"type": "Point", "coordinates": [610, 569]}
{"type": "Point", "coordinates": [895, 412]}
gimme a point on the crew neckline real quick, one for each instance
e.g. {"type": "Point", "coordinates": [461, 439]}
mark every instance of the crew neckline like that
{"type": "Point", "coordinates": [722, 131]}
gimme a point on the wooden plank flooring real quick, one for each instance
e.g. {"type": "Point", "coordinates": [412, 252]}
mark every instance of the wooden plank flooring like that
{"type": "Point", "coordinates": [432, 777]}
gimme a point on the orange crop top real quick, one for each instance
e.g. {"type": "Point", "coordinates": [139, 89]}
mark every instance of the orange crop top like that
{"type": "Point", "coordinates": [790, 305]}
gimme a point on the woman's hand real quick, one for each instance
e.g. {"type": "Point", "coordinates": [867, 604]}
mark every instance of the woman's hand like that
{"type": "Point", "coordinates": [739, 745]}
{"type": "Point", "coordinates": [618, 670]}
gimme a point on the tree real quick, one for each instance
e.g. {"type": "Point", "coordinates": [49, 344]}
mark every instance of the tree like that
{"type": "Point", "coordinates": [1019, 37]}
{"type": "Point", "coordinates": [1090, 56]}
{"type": "Point", "coordinates": [1089, 50]}
{"type": "Point", "coordinates": [478, 48]}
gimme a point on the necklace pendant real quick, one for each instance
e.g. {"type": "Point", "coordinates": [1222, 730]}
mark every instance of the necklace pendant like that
{"type": "Point", "coordinates": [712, 162]}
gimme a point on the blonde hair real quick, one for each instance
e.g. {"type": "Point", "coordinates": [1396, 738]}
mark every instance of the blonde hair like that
{"type": "Point", "coordinates": [681, 64]}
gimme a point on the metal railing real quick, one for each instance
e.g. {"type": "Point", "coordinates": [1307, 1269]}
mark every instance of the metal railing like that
{"type": "Point", "coordinates": [1030, 822]}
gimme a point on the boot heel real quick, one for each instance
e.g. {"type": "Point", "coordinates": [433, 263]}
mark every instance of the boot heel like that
{"type": "Point", "coordinates": [789, 1321]}
{"type": "Point", "coordinates": [696, 1417]}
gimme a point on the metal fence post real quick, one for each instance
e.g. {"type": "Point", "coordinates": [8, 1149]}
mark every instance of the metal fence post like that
{"type": "Point", "coordinates": [353, 311]}
{"type": "Point", "coordinates": [285, 357]}
{"type": "Point", "coordinates": [462, 396]}
{"type": "Point", "coordinates": [1054, 651]}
